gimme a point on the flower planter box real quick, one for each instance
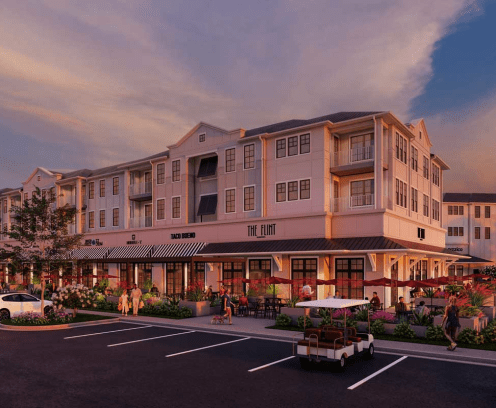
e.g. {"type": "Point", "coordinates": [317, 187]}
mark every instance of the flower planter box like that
{"type": "Point", "coordinates": [215, 310]}
{"type": "Point", "coordinates": [419, 330]}
{"type": "Point", "coordinates": [470, 322]}
{"type": "Point", "coordinates": [293, 312]}
{"type": "Point", "coordinates": [435, 301]}
{"type": "Point", "coordinates": [198, 308]}
{"type": "Point", "coordinates": [389, 327]}
{"type": "Point", "coordinates": [490, 312]}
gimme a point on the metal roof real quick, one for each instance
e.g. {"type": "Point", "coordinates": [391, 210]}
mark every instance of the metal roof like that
{"type": "Point", "coordinates": [469, 198]}
{"type": "Point", "coordinates": [473, 259]}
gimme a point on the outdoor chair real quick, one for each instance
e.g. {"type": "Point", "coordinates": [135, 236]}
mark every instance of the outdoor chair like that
{"type": "Point", "coordinates": [259, 310]}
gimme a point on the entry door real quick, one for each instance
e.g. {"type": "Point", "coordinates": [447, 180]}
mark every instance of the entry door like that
{"type": "Point", "coordinates": [175, 278]}
{"type": "Point", "coordinates": [351, 269]}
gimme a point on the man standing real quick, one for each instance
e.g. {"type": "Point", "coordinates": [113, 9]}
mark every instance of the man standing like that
{"type": "Point", "coordinates": [136, 296]}
{"type": "Point", "coordinates": [401, 309]}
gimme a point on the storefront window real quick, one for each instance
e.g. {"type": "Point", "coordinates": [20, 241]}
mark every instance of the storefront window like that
{"type": "Point", "coordinates": [259, 268]}
{"type": "Point", "coordinates": [305, 269]}
{"type": "Point", "coordinates": [175, 278]}
{"type": "Point", "coordinates": [198, 274]}
{"type": "Point", "coordinates": [144, 273]}
{"type": "Point", "coordinates": [232, 270]}
{"type": "Point", "coordinates": [350, 271]}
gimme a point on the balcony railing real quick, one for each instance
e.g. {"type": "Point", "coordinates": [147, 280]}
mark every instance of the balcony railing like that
{"type": "Point", "coordinates": [67, 200]}
{"type": "Point", "coordinates": [350, 203]}
{"type": "Point", "coordinates": [140, 222]}
{"type": "Point", "coordinates": [351, 156]}
{"type": "Point", "coordinates": [140, 188]}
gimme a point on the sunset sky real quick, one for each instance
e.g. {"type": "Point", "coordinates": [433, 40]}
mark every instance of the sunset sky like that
{"type": "Point", "coordinates": [85, 84]}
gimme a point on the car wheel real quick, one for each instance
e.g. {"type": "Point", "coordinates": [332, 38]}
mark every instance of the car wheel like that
{"type": "Point", "coordinates": [370, 352]}
{"type": "Point", "coordinates": [4, 314]}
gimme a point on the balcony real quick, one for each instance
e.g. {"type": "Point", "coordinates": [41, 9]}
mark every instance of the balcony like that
{"type": "Point", "coordinates": [353, 161]}
{"type": "Point", "coordinates": [140, 222]}
{"type": "Point", "coordinates": [140, 191]}
{"type": "Point", "coordinates": [350, 203]}
{"type": "Point", "coordinates": [69, 200]}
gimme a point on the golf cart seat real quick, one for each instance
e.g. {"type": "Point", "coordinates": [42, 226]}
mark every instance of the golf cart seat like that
{"type": "Point", "coordinates": [350, 330]}
{"type": "Point", "coordinates": [322, 344]}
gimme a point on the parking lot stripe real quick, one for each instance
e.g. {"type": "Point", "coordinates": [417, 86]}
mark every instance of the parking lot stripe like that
{"type": "Point", "coordinates": [376, 373]}
{"type": "Point", "coordinates": [112, 331]}
{"type": "Point", "coordinates": [268, 365]}
{"type": "Point", "coordinates": [207, 347]}
{"type": "Point", "coordinates": [440, 359]}
{"type": "Point", "coordinates": [150, 338]}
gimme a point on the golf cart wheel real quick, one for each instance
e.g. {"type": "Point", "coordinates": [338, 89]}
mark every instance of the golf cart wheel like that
{"type": "Point", "coordinates": [47, 310]}
{"type": "Point", "coordinates": [305, 363]}
{"type": "Point", "coordinates": [341, 363]}
{"type": "Point", "coordinates": [371, 352]}
{"type": "Point", "coordinates": [4, 314]}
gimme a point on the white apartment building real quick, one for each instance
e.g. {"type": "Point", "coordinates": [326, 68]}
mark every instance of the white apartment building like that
{"type": "Point", "coordinates": [354, 195]}
{"type": "Point", "coordinates": [470, 222]}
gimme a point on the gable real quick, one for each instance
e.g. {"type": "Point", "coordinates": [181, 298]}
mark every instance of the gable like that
{"type": "Point", "coordinates": [421, 134]}
{"type": "Point", "coordinates": [41, 178]}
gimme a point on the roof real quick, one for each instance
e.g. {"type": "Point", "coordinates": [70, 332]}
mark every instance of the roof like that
{"type": "Point", "coordinates": [318, 245]}
{"type": "Point", "coordinates": [333, 303]}
{"type": "Point", "coordinates": [294, 123]}
{"type": "Point", "coordinates": [473, 259]}
{"type": "Point", "coordinates": [469, 198]}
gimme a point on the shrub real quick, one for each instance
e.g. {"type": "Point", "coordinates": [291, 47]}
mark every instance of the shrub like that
{"type": "Point", "coordinates": [283, 320]}
{"type": "Point", "coordinates": [326, 321]}
{"type": "Point", "coordinates": [362, 315]}
{"type": "Point", "coordinates": [304, 323]}
{"type": "Point", "coordinates": [404, 330]}
{"type": "Point", "coordinates": [339, 313]}
{"type": "Point", "coordinates": [377, 327]}
{"type": "Point", "coordinates": [385, 317]}
{"type": "Point", "coordinates": [435, 333]}
{"type": "Point", "coordinates": [147, 296]}
{"type": "Point", "coordinates": [420, 319]}
{"type": "Point", "coordinates": [185, 312]}
{"type": "Point", "coordinates": [469, 336]}
{"type": "Point", "coordinates": [34, 319]}
{"type": "Point", "coordinates": [489, 332]}
{"type": "Point", "coordinates": [148, 284]}
{"type": "Point", "coordinates": [469, 311]}
{"type": "Point", "coordinates": [74, 296]}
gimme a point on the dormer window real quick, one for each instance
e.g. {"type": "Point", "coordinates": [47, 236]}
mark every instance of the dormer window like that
{"type": "Point", "coordinates": [201, 137]}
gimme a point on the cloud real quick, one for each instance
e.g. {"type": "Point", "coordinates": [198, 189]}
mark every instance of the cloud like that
{"type": "Point", "coordinates": [129, 78]}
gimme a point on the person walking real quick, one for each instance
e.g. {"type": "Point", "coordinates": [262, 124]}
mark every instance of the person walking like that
{"type": "Point", "coordinates": [124, 301]}
{"type": "Point", "coordinates": [227, 305]}
{"type": "Point", "coordinates": [136, 297]}
{"type": "Point", "coordinates": [451, 322]}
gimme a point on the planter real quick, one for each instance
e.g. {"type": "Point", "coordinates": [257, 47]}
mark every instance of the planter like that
{"type": "Point", "coordinates": [389, 327]}
{"type": "Point", "coordinates": [363, 327]}
{"type": "Point", "coordinates": [470, 322]}
{"type": "Point", "coordinates": [435, 301]}
{"type": "Point", "coordinates": [215, 310]}
{"type": "Point", "coordinates": [293, 312]}
{"type": "Point", "coordinates": [419, 330]}
{"type": "Point", "coordinates": [489, 311]}
{"type": "Point", "coordinates": [198, 308]}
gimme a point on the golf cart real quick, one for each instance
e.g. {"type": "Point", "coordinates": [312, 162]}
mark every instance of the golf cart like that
{"type": "Point", "coordinates": [330, 343]}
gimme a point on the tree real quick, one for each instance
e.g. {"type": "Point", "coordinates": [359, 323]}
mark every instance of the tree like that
{"type": "Point", "coordinates": [41, 238]}
{"type": "Point", "coordinates": [489, 270]}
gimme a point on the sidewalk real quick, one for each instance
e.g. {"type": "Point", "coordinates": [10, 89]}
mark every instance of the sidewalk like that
{"type": "Point", "coordinates": [250, 326]}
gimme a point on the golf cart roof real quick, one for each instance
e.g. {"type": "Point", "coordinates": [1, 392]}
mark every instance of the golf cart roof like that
{"type": "Point", "coordinates": [333, 303]}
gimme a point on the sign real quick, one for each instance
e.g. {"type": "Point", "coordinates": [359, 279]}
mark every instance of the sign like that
{"type": "Point", "coordinates": [455, 249]}
{"type": "Point", "coordinates": [184, 235]}
{"type": "Point", "coordinates": [133, 242]}
{"type": "Point", "coordinates": [93, 242]}
{"type": "Point", "coordinates": [262, 230]}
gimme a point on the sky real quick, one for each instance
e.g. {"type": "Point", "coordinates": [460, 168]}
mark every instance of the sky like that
{"type": "Point", "coordinates": [86, 84]}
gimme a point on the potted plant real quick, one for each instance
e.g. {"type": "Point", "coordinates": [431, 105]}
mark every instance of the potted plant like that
{"type": "Point", "coordinates": [195, 299]}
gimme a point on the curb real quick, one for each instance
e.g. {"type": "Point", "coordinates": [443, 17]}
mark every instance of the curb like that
{"type": "Point", "coordinates": [8, 327]}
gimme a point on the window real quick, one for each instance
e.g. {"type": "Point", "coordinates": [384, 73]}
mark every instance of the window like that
{"type": "Point", "coordinates": [38, 178]}
{"type": "Point", "coordinates": [208, 166]}
{"type": "Point", "coordinates": [450, 231]}
{"type": "Point", "coordinates": [420, 135]}
{"type": "Point", "coordinates": [292, 190]}
{"type": "Point", "coordinates": [487, 211]}
{"type": "Point", "coordinates": [414, 159]}
{"type": "Point", "coordinates": [91, 193]}
{"type": "Point", "coordinates": [83, 219]}
{"type": "Point", "coordinates": [249, 199]}
{"type": "Point", "coordinates": [91, 220]}
{"type": "Point", "coordinates": [280, 192]}
{"type": "Point", "coordinates": [115, 186]}
{"type": "Point", "coordinates": [477, 232]}
{"type": "Point", "coordinates": [102, 218]}
{"type": "Point", "coordinates": [414, 200]}
{"type": "Point", "coordinates": [260, 268]}
{"type": "Point", "coordinates": [421, 233]}
{"type": "Point", "coordinates": [230, 160]}
{"type": "Point", "coordinates": [231, 200]}
{"type": "Point", "coordinates": [455, 231]}
{"type": "Point", "coordinates": [450, 210]}
{"type": "Point", "coordinates": [5, 206]}
{"type": "Point", "coordinates": [401, 193]}
{"type": "Point", "coordinates": [350, 274]}
{"type": "Point", "coordinates": [305, 143]}
{"type": "Point", "coordinates": [362, 147]}
{"type": "Point", "coordinates": [234, 271]}
{"type": "Point", "coordinates": [435, 174]}
{"type": "Point", "coordinates": [161, 173]}
{"type": "Point", "coordinates": [477, 211]}
{"type": "Point", "coordinates": [249, 156]}
{"type": "Point", "coordinates": [280, 148]}
{"type": "Point", "coordinates": [304, 189]}
{"type": "Point", "coordinates": [426, 206]}
{"type": "Point", "coordinates": [201, 137]}
{"type": "Point", "coordinates": [487, 232]}
{"type": "Point", "coordinates": [401, 146]}
{"type": "Point", "coordinates": [435, 210]}
{"type": "Point", "coordinates": [455, 210]}
{"type": "Point", "coordinates": [426, 168]}
{"type": "Point", "coordinates": [292, 146]}
{"type": "Point", "coordinates": [176, 170]}
{"type": "Point", "coordinates": [304, 269]}
{"type": "Point", "coordinates": [362, 193]}
{"type": "Point", "coordinates": [115, 217]}
{"type": "Point", "coordinates": [161, 209]}
{"type": "Point", "coordinates": [176, 207]}
{"type": "Point", "coordinates": [102, 188]}
{"type": "Point", "coordinates": [460, 231]}
{"type": "Point", "coordinates": [460, 210]}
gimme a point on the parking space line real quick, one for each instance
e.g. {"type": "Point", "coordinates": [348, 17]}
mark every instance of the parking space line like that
{"type": "Point", "coordinates": [150, 338]}
{"type": "Point", "coordinates": [112, 331]}
{"type": "Point", "coordinates": [376, 373]}
{"type": "Point", "coordinates": [439, 359]}
{"type": "Point", "coordinates": [207, 347]}
{"type": "Point", "coordinates": [268, 365]}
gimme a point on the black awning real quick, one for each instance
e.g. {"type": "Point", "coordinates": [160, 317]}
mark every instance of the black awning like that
{"type": "Point", "coordinates": [208, 205]}
{"type": "Point", "coordinates": [208, 167]}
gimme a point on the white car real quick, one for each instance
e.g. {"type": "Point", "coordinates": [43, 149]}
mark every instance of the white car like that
{"type": "Point", "coordinates": [13, 304]}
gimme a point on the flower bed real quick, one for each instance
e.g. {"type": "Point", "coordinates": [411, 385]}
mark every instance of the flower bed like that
{"type": "Point", "coordinates": [51, 319]}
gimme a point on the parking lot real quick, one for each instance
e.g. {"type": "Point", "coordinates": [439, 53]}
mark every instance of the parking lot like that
{"type": "Point", "coordinates": [132, 365]}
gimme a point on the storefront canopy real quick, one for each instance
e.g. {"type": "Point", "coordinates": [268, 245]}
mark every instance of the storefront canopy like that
{"type": "Point", "coordinates": [131, 252]}
{"type": "Point", "coordinates": [177, 250]}
{"type": "Point", "coordinates": [91, 253]}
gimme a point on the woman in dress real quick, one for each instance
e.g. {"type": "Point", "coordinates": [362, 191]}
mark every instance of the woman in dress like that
{"type": "Point", "coordinates": [124, 302]}
{"type": "Point", "coordinates": [451, 322]}
{"type": "Point", "coordinates": [227, 305]}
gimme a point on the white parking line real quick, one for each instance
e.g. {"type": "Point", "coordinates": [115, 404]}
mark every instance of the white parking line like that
{"type": "Point", "coordinates": [268, 365]}
{"type": "Point", "coordinates": [377, 373]}
{"type": "Point", "coordinates": [113, 331]}
{"type": "Point", "coordinates": [440, 359]}
{"type": "Point", "coordinates": [203, 348]}
{"type": "Point", "coordinates": [150, 338]}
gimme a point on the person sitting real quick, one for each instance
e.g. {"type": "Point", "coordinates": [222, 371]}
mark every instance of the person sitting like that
{"type": "Point", "coordinates": [154, 290]}
{"type": "Point", "coordinates": [337, 295]}
{"type": "Point", "coordinates": [422, 309]}
{"type": "Point", "coordinates": [401, 308]}
{"type": "Point", "coordinates": [243, 304]}
{"type": "Point", "coordinates": [375, 301]}
{"type": "Point", "coordinates": [209, 294]}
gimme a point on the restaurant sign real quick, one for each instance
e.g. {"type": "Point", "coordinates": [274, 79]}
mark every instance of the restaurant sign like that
{"type": "Point", "coordinates": [455, 249]}
{"type": "Point", "coordinates": [184, 235]}
{"type": "Point", "coordinates": [261, 230]}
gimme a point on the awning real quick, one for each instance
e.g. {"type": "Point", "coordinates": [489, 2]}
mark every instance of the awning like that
{"type": "Point", "coordinates": [473, 260]}
{"type": "Point", "coordinates": [177, 250]}
{"type": "Point", "coordinates": [91, 253]}
{"type": "Point", "coordinates": [208, 205]}
{"type": "Point", "coordinates": [208, 166]}
{"type": "Point", "coordinates": [129, 252]}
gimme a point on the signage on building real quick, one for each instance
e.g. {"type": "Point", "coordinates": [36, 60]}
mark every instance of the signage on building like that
{"type": "Point", "coordinates": [261, 230]}
{"type": "Point", "coordinates": [184, 235]}
{"type": "Point", "coordinates": [133, 242]}
{"type": "Point", "coordinates": [93, 242]}
{"type": "Point", "coordinates": [455, 249]}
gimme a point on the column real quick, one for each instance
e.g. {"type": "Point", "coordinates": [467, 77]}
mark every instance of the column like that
{"type": "Point", "coordinates": [378, 165]}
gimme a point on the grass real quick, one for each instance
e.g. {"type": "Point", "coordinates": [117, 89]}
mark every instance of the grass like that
{"type": "Point", "coordinates": [78, 319]}
{"type": "Point", "coordinates": [418, 340]}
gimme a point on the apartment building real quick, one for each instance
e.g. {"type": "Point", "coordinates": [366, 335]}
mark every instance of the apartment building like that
{"type": "Point", "coordinates": [470, 222]}
{"type": "Point", "coordinates": [353, 195]}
